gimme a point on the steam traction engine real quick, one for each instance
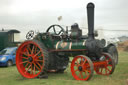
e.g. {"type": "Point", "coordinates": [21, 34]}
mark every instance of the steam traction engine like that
{"type": "Point", "coordinates": [51, 51]}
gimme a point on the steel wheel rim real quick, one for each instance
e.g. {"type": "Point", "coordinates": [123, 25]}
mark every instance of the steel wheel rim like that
{"type": "Point", "coordinates": [29, 60]}
{"type": "Point", "coordinates": [115, 57]}
{"type": "Point", "coordinates": [85, 73]}
{"type": "Point", "coordinates": [107, 68]}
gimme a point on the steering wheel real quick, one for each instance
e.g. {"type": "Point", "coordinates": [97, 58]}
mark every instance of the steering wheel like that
{"type": "Point", "coordinates": [30, 35]}
{"type": "Point", "coordinates": [54, 29]}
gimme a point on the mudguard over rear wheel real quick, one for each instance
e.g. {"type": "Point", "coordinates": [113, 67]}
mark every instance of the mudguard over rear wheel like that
{"type": "Point", "coordinates": [112, 50]}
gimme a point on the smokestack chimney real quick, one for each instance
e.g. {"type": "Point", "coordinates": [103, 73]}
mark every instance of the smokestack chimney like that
{"type": "Point", "coordinates": [90, 15]}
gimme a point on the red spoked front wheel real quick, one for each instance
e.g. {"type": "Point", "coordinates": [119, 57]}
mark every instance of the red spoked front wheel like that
{"type": "Point", "coordinates": [82, 68]}
{"type": "Point", "coordinates": [30, 58]}
{"type": "Point", "coordinates": [108, 67]}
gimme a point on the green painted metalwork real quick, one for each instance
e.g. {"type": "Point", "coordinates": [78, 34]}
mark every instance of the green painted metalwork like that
{"type": "Point", "coordinates": [7, 38]}
{"type": "Point", "coordinates": [60, 44]}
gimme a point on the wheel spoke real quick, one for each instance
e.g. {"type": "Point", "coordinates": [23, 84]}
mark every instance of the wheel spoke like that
{"type": "Point", "coordinates": [101, 70]}
{"type": "Point", "coordinates": [81, 58]}
{"type": "Point", "coordinates": [39, 60]}
{"type": "Point", "coordinates": [39, 65]}
{"type": "Point", "coordinates": [86, 73]}
{"type": "Point", "coordinates": [35, 49]}
{"type": "Point", "coordinates": [24, 62]}
{"type": "Point", "coordinates": [31, 69]}
{"type": "Point", "coordinates": [76, 70]}
{"type": "Point", "coordinates": [54, 29]}
{"type": "Point", "coordinates": [39, 56]}
{"type": "Point", "coordinates": [81, 75]}
{"type": "Point", "coordinates": [60, 32]}
{"type": "Point", "coordinates": [34, 69]}
{"type": "Point", "coordinates": [32, 50]}
{"type": "Point", "coordinates": [24, 57]}
{"type": "Point", "coordinates": [28, 68]}
{"type": "Point", "coordinates": [75, 65]}
{"type": "Point", "coordinates": [77, 62]}
{"type": "Point", "coordinates": [27, 51]}
{"type": "Point", "coordinates": [108, 69]}
{"type": "Point", "coordinates": [26, 65]}
{"type": "Point", "coordinates": [37, 53]}
{"type": "Point", "coordinates": [84, 62]}
{"type": "Point", "coordinates": [24, 53]}
{"type": "Point", "coordinates": [28, 46]}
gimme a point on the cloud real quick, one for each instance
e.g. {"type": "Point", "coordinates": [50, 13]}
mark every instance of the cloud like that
{"type": "Point", "coordinates": [26, 14]}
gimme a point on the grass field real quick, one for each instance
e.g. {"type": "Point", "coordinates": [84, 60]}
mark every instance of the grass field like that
{"type": "Point", "coordinates": [10, 76]}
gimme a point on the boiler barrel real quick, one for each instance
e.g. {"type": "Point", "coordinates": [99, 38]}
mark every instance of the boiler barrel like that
{"type": "Point", "coordinates": [61, 45]}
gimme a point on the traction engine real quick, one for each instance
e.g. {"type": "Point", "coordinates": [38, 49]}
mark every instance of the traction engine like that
{"type": "Point", "coordinates": [51, 51]}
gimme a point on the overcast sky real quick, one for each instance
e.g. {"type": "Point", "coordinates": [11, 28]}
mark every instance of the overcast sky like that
{"type": "Point", "coordinates": [39, 14]}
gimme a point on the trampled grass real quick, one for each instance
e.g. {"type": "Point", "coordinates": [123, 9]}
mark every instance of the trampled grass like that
{"type": "Point", "coordinates": [10, 76]}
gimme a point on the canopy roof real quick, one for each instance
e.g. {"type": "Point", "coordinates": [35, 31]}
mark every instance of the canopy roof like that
{"type": "Point", "coordinates": [10, 31]}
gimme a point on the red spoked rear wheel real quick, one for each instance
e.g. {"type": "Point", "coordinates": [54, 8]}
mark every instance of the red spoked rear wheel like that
{"type": "Point", "coordinates": [108, 67]}
{"type": "Point", "coordinates": [82, 68]}
{"type": "Point", "coordinates": [30, 59]}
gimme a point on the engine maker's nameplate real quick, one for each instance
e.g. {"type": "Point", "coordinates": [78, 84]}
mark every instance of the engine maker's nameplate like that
{"type": "Point", "coordinates": [70, 45]}
{"type": "Point", "coordinates": [63, 44]}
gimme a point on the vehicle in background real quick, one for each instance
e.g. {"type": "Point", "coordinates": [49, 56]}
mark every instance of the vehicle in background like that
{"type": "Point", "coordinates": [9, 38]}
{"type": "Point", "coordinates": [7, 56]}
